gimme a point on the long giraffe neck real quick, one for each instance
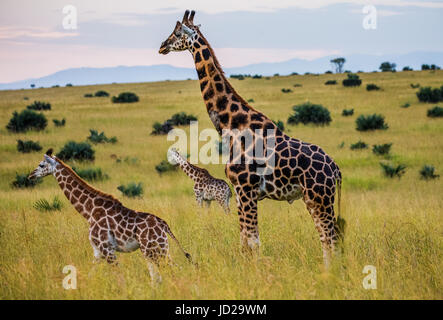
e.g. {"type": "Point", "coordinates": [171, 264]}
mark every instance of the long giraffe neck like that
{"type": "Point", "coordinates": [191, 171]}
{"type": "Point", "coordinates": [82, 196]}
{"type": "Point", "coordinates": [226, 108]}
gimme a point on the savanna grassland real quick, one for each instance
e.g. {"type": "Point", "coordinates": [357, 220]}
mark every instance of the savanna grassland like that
{"type": "Point", "coordinates": [395, 224]}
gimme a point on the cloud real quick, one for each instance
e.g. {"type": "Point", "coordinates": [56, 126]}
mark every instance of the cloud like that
{"type": "Point", "coordinates": [33, 32]}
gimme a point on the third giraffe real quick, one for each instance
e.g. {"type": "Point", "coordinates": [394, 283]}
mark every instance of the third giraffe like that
{"type": "Point", "coordinates": [301, 170]}
{"type": "Point", "coordinates": [206, 187]}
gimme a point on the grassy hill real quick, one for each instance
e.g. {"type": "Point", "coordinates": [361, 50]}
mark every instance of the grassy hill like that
{"type": "Point", "coordinates": [393, 224]}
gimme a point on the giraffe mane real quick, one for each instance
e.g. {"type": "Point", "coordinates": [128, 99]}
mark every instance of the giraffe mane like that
{"type": "Point", "coordinates": [87, 185]}
{"type": "Point", "coordinates": [222, 73]}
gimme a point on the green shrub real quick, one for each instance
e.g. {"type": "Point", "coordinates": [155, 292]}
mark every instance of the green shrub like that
{"type": "Point", "coordinates": [96, 137]}
{"type": "Point", "coordinates": [381, 149]}
{"type": "Point", "coordinates": [347, 112]}
{"type": "Point", "coordinates": [407, 68]}
{"type": "Point", "coordinates": [22, 181]}
{"type": "Point", "coordinates": [125, 97]}
{"type": "Point", "coordinates": [28, 146]}
{"type": "Point", "coordinates": [165, 166]}
{"type": "Point", "coordinates": [310, 113]}
{"type": "Point", "coordinates": [159, 128]}
{"type": "Point", "coordinates": [181, 118]}
{"type": "Point", "coordinates": [372, 87]}
{"type": "Point", "coordinates": [88, 95]}
{"type": "Point", "coordinates": [280, 124]}
{"type": "Point", "coordinates": [428, 173]}
{"type": "Point", "coordinates": [91, 174]}
{"type": "Point", "coordinates": [69, 85]}
{"type": "Point", "coordinates": [27, 120]}
{"type": "Point", "coordinates": [132, 189]}
{"type": "Point", "coordinates": [59, 123]}
{"type": "Point", "coordinates": [359, 145]}
{"type": "Point", "coordinates": [298, 85]}
{"type": "Point", "coordinates": [387, 67]}
{"type": "Point", "coordinates": [435, 112]}
{"type": "Point", "coordinates": [284, 90]}
{"type": "Point", "coordinates": [353, 80]}
{"type": "Point", "coordinates": [371, 122]}
{"type": "Point", "coordinates": [76, 151]}
{"type": "Point", "coordinates": [39, 106]}
{"type": "Point", "coordinates": [127, 160]}
{"type": "Point", "coordinates": [101, 93]}
{"type": "Point", "coordinates": [415, 86]}
{"type": "Point", "coordinates": [251, 100]}
{"type": "Point", "coordinates": [427, 94]}
{"type": "Point", "coordinates": [405, 105]}
{"type": "Point", "coordinates": [44, 205]}
{"type": "Point", "coordinates": [393, 171]}
{"type": "Point", "coordinates": [330, 82]}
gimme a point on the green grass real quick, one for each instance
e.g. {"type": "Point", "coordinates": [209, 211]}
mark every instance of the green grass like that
{"type": "Point", "coordinates": [393, 224]}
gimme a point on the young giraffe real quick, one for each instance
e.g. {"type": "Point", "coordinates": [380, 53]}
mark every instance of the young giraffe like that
{"type": "Point", "coordinates": [206, 187]}
{"type": "Point", "coordinates": [112, 226]}
{"type": "Point", "coordinates": [302, 170]}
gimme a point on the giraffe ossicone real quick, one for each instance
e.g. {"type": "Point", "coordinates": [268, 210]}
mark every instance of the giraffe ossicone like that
{"type": "Point", "coordinates": [302, 170]}
{"type": "Point", "coordinates": [112, 226]}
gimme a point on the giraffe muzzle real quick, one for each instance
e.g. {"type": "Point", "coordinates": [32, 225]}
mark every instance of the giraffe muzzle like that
{"type": "Point", "coordinates": [31, 175]}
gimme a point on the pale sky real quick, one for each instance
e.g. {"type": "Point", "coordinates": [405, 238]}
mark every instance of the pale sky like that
{"type": "Point", "coordinates": [33, 42]}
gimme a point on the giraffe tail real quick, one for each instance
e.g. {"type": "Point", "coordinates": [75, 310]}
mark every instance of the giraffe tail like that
{"type": "Point", "coordinates": [187, 255]}
{"type": "Point", "coordinates": [341, 222]}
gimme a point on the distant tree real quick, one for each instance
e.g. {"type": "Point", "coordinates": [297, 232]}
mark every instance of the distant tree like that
{"type": "Point", "coordinates": [425, 67]}
{"type": "Point", "coordinates": [32, 86]}
{"type": "Point", "coordinates": [338, 64]}
{"type": "Point", "coordinates": [434, 67]}
{"type": "Point", "coordinates": [387, 67]}
{"type": "Point", "coordinates": [407, 68]}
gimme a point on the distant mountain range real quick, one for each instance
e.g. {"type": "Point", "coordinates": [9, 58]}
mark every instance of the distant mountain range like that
{"type": "Point", "coordinates": [125, 74]}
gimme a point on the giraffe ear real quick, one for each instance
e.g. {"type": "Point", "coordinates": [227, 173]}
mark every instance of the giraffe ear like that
{"type": "Point", "coordinates": [49, 152]}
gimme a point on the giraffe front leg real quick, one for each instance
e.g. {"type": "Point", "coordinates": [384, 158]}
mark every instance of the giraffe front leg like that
{"type": "Point", "coordinates": [199, 196]}
{"type": "Point", "coordinates": [247, 211]}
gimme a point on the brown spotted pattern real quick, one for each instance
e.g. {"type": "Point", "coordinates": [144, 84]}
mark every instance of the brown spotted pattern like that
{"type": "Point", "coordinates": [112, 226]}
{"type": "Point", "coordinates": [206, 187]}
{"type": "Point", "coordinates": [302, 170]}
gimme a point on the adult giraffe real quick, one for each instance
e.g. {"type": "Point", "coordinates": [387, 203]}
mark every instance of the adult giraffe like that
{"type": "Point", "coordinates": [299, 170]}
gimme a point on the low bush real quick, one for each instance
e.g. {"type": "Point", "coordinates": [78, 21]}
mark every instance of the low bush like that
{"type": "Point", "coordinates": [159, 128]}
{"type": "Point", "coordinates": [280, 124]}
{"type": "Point", "coordinates": [88, 95]}
{"type": "Point", "coordinates": [428, 94]}
{"type": "Point", "coordinates": [125, 97]}
{"type": "Point", "coordinates": [330, 82]}
{"type": "Point", "coordinates": [405, 105]}
{"type": "Point", "coordinates": [22, 181]}
{"type": "Point", "coordinates": [392, 171]}
{"type": "Point", "coordinates": [43, 205]}
{"type": "Point", "coordinates": [28, 146]}
{"type": "Point", "coordinates": [359, 145]}
{"type": "Point", "coordinates": [165, 166]}
{"type": "Point", "coordinates": [310, 113]}
{"type": "Point", "coordinates": [428, 173]}
{"type": "Point", "coordinates": [435, 112]}
{"type": "Point", "coordinates": [96, 137]}
{"type": "Point", "coordinates": [372, 87]}
{"type": "Point", "coordinates": [39, 106]}
{"type": "Point", "coordinates": [298, 85]}
{"type": "Point", "coordinates": [81, 151]}
{"type": "Point", "coordinates": [127, 160]}
{"type": "Point", "coordinates": [353, 80]}
{"type": "Point", "coordinates": [27, 120]}
{"type": "Point", "coordinates": [59, 123]}
{"type": "Point", "coordinates": [347, 112]}
{"type": "Point", "coordinates": [91, 174]}
{"type": "Point", "coordinates": [101, 93]}
{"type": "Point", "coordinates": [182, 118]}
{"type": "Point", "coordinates": [371, 122]}
{"type": "Point", "coordinates": [284, 90]}
{"type": "Point", "coordinates": [132, 189]}
{"type": "Point", "coordinates": [381, 149]}
{"type": "Point", "coordinates": [415, 86]}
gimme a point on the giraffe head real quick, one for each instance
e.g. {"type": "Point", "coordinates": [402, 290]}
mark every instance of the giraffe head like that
{"type": "Point", "coordinates": [174, 156]}
{"type": "Point", "coordinates": [182, 37]}
{"type": "Point", "coordinates": [46, 167]}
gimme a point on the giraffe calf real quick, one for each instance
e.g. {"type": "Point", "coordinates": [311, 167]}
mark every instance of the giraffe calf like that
{"type": "Point", "coordinates": [112, 226]}
{"type": "Point", "coordinates": [206, 187]}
